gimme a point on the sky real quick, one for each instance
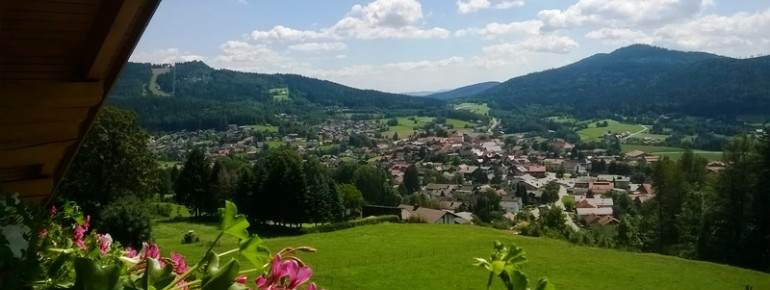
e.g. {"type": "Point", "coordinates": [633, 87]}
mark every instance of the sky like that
{"type": "Point", "coordinates": [430, 45]}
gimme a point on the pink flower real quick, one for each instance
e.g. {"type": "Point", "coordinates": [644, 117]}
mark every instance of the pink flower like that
{"type": "Point", "coordinates": [181, 283]}
{"type": "Point", "coordinates": [151, 251]}
{"type": "Point", "coordinates": [77, 236]}
{"type": "Point", "coordinates": [88, 221]}
{"type": "Point", "coordinates": [130, 252]}
{"type": "Point", "coordinates": [284, 275]}
{"type": "Point", "coordinates": [180, 265]}
{"type": "Point", "coordinates": [43, 233]}
{"type": "Point", "coordinates": [311, 286]}
{"type": "Point", "coordinates": [53, 210]}
{"type": "Point", "coordinates": [241, 279]}
{"type": "Point", "coordinates": [104, 243]}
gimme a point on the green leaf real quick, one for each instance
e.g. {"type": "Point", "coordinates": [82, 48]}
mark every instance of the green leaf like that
{"type": "Point", "coordinates": [89, 276]}
{"type": "Point", "coordinates": [53, 269]}
{"type": "Point", "coordinates": [497, 267]}
{"type": "Point", "coordinates": [519, 280]}
{"type": "Point", "coordinates": [481, 263]}
{"type": "Point", "coordinates": [233, 223]}
{"type": "Point", "coordinates": [221, 278]}
{"type": "Point", "coordinates": [253, 250]}
{"type": "Point", "coordinates": [155, 276]}
{"type": "Point", "coordinates": [543, 284]}
{"type": "Point", "coordinates": [515, 255]}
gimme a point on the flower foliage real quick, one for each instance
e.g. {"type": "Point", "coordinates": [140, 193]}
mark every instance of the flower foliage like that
{"type": "Point", "coordinates": [66, 253]}
{"type": "Point", "coordinates": [505, 263]}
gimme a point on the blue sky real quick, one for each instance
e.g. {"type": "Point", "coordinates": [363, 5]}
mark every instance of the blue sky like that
{"type": "Point", "coordinates": [428, 45]}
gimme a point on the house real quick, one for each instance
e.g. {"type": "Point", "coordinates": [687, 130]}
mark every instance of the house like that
{"type": "Point", "coordinates": [512, 205]}
{"type": "Point", "coordinates": [431, 216]}
{"type": "Point", "coordinates": [715, 166]}
{"type": "Point", "coordinates": [619, 181]}
{"type": "Point", "coordinates": [634, 155]}
{"type": "Point", "coordinates": [440, 190]}
{"type": "Point", "coordinates": [600, 187]}
{"type": "Point", "coordinates": [595, 202]}
{"type": "Point", "coordinates": [588, 215]}
{"type": "Point", "coordinates": [537, 171]}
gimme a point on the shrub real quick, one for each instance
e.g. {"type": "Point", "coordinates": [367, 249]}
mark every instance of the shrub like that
{"type": "Point", "coordinates": [352, 223]}
{"type": "Point", "coordinates": [190, 237]}
{"type": "Point", "coordinates": [163, 209]}
{"type": "Point", "coordinates": [128, 220]}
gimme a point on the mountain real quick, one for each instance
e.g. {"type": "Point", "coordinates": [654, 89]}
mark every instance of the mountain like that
{"type": "Point", "coordinates": [463, 91]}
{"type": "Point", "coordinates": [422, 93]}
{"type": "Point", "coordinates": [193, 95]}
{"type": "Point", "coordinates": [642, 78]}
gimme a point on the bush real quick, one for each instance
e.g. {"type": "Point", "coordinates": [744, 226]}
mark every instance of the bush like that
{"type": "Point", "coordinates": [163, 209]}
{"type": "Point", "coordinates": [352, 223]}
{"type": "Point", "coordinates": [190, 237]}
{"type": "Point", "coordinates": [128, 220]}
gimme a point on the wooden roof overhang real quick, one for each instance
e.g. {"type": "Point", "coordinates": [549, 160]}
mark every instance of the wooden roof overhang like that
{"type": "Point", "coordinates": [58, 61]}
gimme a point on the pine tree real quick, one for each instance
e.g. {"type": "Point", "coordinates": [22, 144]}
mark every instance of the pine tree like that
{"type": "Point", "coordinates": [192, 187]}
{"type": "Point", "coordinates": [411, 179]}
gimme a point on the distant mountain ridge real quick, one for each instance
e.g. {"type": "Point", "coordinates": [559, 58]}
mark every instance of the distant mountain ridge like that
{"type": "Point", "coordinates": [463, 91]}
{"type": "Point", "coordinates": [198, 96]}
{"type": "Point", "coordinates": [642, 77]}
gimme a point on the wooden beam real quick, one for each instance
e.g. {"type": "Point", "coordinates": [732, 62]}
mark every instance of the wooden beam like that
{"type": "Point", "coordinates": [16, 135]}
{"type": "Point", "coordinates": [36, 155]}
{"type": "Point", "coordinates": [29, 188]}
{"type": "Point", "coordinates": [35, 115]}
{"type": "Point", "coordinates": [25, 94]}
{"type": "Point", "coordinates": [115, 19]}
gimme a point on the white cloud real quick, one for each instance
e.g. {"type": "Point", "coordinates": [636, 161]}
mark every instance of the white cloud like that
{"type": "Point", "coordinates": [385, 19]}
{"type": "Point", "coordinates": [494, 29]}
{"type": "Point", "coordinates": [283, 33]}
{"type": "Point", "coordinates": [741, 34]}
{"type": "Point", "coordinates": [509, 4]}
{"type": "Point", "coordinates": [468, 6]}
{"type": "Point", "coordinates": [168, 55]}
{"type": "Point", "coordinates": [240, 55]}
{"type": "Point", "coordinates": [617, 13]}
{"type": "Point", "coordinates": [425, 64]}
{"type": "Point", "coordinates": [378, 19]}
{"type": "Point", "coordinates": [536, 43]}
{"type": "Point", "coordinates": [318, 46]}
{"type": "Point", "coordinates": [620, 36]}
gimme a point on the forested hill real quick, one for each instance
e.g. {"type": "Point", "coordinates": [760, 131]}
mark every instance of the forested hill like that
{"type": "Point", "coordinates": [194, 96]}
{"type": "Point", "coordinates": [463, 91]}
{"type": "Point", "coordinates": [642, 78]}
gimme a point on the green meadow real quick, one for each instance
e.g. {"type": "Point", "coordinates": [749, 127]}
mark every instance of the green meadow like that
{"type": "Point", "coordinates": [593, 133]}
{"type": "Point", "coordinates": [476, 108]}
{"type": "Point", "coordinates": [406, 127]}
{"type": "Point", "coordinates": [264, 128]}
{"type": "Point", "coordinates": [422, 256]}
{"type": "Point", "coordinates": [280, 94]}
{"type": "Point", "coordinates": [674, 153]}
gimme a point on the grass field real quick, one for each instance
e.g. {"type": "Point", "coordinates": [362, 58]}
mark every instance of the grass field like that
{"type": "Point", "coordinates": [421, 256]}
{"type": "Point", "coordinates": [476, 108]}
{"type": "Point", "coordinates": [459, 125]}
{"type": "Point", "coordinates": [657, 137]}
{"type": "Point", "coordinates": [280, 94]}
{"type": "Point", "coordinates": [592, 133]}
{"type": "Point", "coordinates": [275, 143]}
{"type": "Point", "coordinates": [264, 128]}
{"type": "Point", "coordinates": [674, 153]}
{"type": "Point", "coordinates": [562, 119]}
{"type": "Point", "coordinates": [405, 127]}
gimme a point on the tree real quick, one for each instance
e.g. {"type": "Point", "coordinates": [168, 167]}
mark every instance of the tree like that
{"type": "Point", "coordinates": [375, 186]}
{"type": "Point", "coordinates": [550, 192]}
{"type": "Point", "coordinates": [560, 172]}
{"type": "Point", "coordinates": [488, 205]}
{"type": "Point", "coordinates": [393, 121]}
{"type": "Point", "coordinates": [411, 179]}
{"type": "Point", "coordinates": [192, 187]}
{"type": "Point", "coordinates": [112, 162]}
{"type": "Point", "coordinates": [521, 192]}
{"type": "Point", "coordinates": [352, 200]}
{"type": "Point", "coordinates": [322, 202]}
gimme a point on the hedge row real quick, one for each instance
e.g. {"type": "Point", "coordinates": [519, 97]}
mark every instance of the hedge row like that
{"type": "Point", "coordinates": [372, 220]}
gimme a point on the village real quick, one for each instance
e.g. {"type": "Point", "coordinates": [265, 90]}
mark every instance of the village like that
{"type": "Point", "coordinates": [454, 169]}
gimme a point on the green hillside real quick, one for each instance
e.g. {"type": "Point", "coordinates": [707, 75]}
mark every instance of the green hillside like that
{"type": "Point", "coordinates": [419, 256]}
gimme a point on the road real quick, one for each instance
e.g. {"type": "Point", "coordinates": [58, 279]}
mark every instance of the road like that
{"type": "Point", "coordinates": [639, 132]}
{"type": "Point", "coordinates": [494, 124]}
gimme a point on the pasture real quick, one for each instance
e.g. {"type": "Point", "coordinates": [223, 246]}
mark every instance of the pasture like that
{"type": "Point", "coordinates": [593, 133]}
{"type": "Point", "coordinates": [422, 256]}
{"type": "Point", "coordinates": [476, 108]}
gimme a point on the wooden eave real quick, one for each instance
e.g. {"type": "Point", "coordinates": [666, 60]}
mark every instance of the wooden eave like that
{"type": "Point", "coordinates": [58, 61]}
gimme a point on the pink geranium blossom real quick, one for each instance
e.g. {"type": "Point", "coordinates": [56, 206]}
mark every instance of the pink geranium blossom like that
{"type": "Point", "coordinates": [130, 252]}
{"type": "Point", "coordinates": [285, 275]}
{"type": "Point", "coordinates": [104, 243]}
{"type": "Point", "coordinates": [43, 233]}
{"type": "Point", "coordinates": [241, 279]}
{"type": "Point", "coordinates": [151, 251]}
{"type": "Point", "coordinates": [53, 210]}
{"type": "Point", "coordinates": [180, 265]}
